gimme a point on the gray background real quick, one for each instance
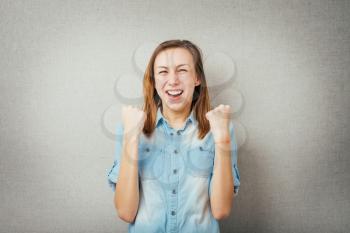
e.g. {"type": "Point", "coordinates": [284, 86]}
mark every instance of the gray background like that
{"type": "Point", "coordinates": [59, 62]}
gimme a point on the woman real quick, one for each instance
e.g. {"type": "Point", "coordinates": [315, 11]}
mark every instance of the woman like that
{"type": "Point", "coordinates": [175, 167]}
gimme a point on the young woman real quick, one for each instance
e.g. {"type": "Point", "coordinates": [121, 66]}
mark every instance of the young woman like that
{"type": "Point", "coordinates": [175, 166]}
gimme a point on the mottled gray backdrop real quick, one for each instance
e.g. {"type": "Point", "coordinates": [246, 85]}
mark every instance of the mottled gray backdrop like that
{"type": "Point", "coordinates": [59, 63]}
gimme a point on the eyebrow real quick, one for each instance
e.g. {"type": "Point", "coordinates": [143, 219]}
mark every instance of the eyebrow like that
{"type": "Point", "coordinates": [176, 66]}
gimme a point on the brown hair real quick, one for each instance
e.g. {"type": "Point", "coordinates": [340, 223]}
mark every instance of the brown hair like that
{"type": "Point", "coordinates": [200, 101]}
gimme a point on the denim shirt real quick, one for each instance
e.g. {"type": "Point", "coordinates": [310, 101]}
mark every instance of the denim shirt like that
{"type": "Point", "coordinates": [175, 173]}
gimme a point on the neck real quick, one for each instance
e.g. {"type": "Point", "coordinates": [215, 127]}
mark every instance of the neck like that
{"type": "Point", "coordinates": [176, 119]}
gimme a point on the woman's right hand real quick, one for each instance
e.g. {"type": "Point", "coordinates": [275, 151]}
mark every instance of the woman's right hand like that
{"type": "Point", "coordinates": [133, 120]}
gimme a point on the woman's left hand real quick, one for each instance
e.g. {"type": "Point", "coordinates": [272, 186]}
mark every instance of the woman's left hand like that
{"type": "Point", "coordinates": [219, 119]}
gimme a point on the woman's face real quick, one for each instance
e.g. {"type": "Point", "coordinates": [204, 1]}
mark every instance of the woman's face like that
{"type": "Point", "coordinates": [175, 78]}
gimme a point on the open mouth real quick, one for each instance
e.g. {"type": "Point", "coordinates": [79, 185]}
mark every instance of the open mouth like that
{"type": "Point", "coordinates": [174, 93]}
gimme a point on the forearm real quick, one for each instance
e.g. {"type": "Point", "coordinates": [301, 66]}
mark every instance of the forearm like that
{"type": "Point", "coordinates": [127, 188]}
{"type": "Point", "coordinates": [221, 197]}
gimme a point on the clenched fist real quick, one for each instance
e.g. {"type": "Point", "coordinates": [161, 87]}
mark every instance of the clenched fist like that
{"type": "Point", "coordinates": [133, 120]}
{"type": "Point", "coordinates": [219, 119]}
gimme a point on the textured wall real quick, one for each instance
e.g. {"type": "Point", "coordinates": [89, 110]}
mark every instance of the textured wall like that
{"type": "Point", "coordinates": [59, 64]}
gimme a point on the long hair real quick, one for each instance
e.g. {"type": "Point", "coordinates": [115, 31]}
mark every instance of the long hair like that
{"type": "Point", "coordinates": [200, 100]}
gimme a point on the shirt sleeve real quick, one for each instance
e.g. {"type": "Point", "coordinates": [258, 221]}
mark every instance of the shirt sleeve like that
{"type": "Point", "coordinates": [235, 171]}
{"type": "Point", "coordinates": [234, 155]}
{"type": "Point", "coordinates": [113, 173]}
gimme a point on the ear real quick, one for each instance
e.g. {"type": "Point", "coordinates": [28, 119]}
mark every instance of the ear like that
{"type": "Point", "coordinates": [197, 82]}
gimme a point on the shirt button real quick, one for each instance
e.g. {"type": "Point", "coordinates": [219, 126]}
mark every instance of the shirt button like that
{"type": "Point", "coordinates": [147, 149]}
{"type": "Point", "coordinates": [171, 134]}
{"type": "Point", "coordinates": [173, 212]}
{"type": "Point", "coordinates": [174, 191]}
{"type": "Point", "coordinates": [201, 148]}
{"type": "Point", "coordinates": [175, 151]}
{"type": "Point", "coordinates": [178, 132]}
{"type": "Point", "coordinates": [174, 171]}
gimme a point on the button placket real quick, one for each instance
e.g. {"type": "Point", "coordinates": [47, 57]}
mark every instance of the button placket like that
{"type": "Point", "coordinates": [173, 203]}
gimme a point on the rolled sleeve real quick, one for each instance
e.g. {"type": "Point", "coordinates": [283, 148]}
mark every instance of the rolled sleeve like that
{"type": "Point", "coordinates": [234, 155]}
{"type": "Point", "coordinates": [113, 173]}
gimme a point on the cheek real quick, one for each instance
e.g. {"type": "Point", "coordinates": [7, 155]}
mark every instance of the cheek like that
{"type": "Point", "coordinates": [189, 85]}
{"type": "Point", "coordinates": [159, 85]}
{"type": "Point", "coordinates": [190, 93]}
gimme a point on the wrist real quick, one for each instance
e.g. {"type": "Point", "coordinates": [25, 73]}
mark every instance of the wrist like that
{"type": "Point", "coordinates": [131, 136]}
{"type": "Point", "coordinates": [223, 144]}
{"type": "Point", "coordinates": [132, 132]}
{"type": "Point", "coordinates": [223, 137]}
{"type": "Point", "coordinates": [223, 141]}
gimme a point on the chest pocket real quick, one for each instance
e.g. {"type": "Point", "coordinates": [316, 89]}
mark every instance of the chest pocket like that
{"type": "Point", "coordinates": [200, 160]}
{"type": "Point", "coordinates": [151, 162]}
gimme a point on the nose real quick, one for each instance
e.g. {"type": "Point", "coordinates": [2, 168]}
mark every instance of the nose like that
{"type": "Point", "coordinates": [173, 78]}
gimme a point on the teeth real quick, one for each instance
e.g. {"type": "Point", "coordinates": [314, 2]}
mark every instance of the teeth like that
{"type": "Point", "coordinates": [174, 92]}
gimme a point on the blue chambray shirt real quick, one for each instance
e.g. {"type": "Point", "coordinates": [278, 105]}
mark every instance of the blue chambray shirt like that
{"type": "Point", "coordinates": [175, 171]}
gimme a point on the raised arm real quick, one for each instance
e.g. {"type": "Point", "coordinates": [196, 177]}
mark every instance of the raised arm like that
{"type": "Point", "coordinates": [126, 198]}
{"type": "Point", "coordinates": [222, 192]}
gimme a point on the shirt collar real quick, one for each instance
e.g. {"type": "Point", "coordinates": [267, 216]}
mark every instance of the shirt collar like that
{"type": "Point", "coordinates": [160, 118]}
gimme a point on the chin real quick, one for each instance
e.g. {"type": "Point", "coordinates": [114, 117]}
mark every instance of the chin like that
{"type": "Point", "coordinates": [176, 107]}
